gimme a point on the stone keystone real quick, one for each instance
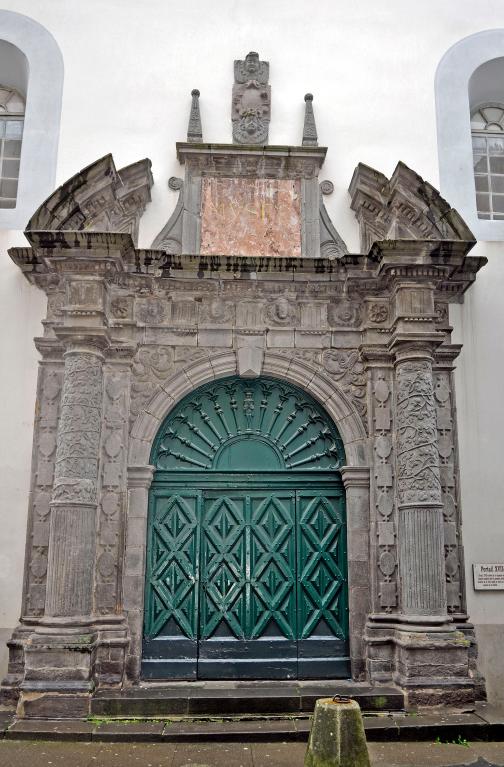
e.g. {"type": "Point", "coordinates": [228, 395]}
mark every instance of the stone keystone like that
{"type": "Point", "coordinates": [337, 737]}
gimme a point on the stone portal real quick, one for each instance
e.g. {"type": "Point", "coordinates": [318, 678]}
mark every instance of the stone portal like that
{"type": "Point", "coordinates": [130, 332]}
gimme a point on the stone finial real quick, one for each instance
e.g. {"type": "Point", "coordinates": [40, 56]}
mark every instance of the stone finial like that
{"type": "Point", "coordinates": [310, 137]}
{"type": "Point", "coordinates": [194, 131]}
{"type": "Point", "coordinates": [251, 102]}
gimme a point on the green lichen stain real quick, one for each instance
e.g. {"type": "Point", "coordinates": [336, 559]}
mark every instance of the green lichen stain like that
{"type": "Point", "coordinates": [337, 737]}
{"type": "Point", "coordinates": [379, 702]}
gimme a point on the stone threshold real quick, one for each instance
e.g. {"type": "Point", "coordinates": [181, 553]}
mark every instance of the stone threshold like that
{"type": "Point", "coordinates": [446, 726]}
{"type": "Point", "coordinates": [219, 699]}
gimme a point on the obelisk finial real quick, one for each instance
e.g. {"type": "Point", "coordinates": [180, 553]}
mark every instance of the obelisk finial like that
{"type": "Point", "coordinates": [310, 137]}
{"type": "Point", "coordinates": [194, 131]}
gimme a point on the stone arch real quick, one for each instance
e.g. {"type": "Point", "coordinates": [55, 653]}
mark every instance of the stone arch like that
{"type": "Point", "coordinates": [316, 382]}
{"type": "Point", "coordinates": [309, 377]}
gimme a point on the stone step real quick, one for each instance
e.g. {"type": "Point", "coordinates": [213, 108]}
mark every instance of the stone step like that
{"type": "Point", "coordinates": [445, 727]}
{"type": "Point", "coordinates": [208, 699]}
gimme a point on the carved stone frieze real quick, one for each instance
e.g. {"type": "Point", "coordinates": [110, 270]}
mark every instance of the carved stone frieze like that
{"type": "Point", "coordinates": [216, 311]}
{"type": "Point", "coordinates": [281, 312]}
{"type": "Point", "coordinates": [151, 366]}
{"type": "Point", "coordinates": [348, 370]}
{"type": "Point", "coordinates": [378, 313]}
{"type": "Point", "coordinates": [150, 311]}
{"type": "Point", "coordinates": [344, 313]}
{"type": "Point", "coordinates": [121, 308]}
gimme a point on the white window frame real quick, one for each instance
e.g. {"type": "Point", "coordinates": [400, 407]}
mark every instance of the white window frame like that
{"type": "Point", "coordinates": [39, 153]}
{"type": "Point", "coordinates": [456, 176]}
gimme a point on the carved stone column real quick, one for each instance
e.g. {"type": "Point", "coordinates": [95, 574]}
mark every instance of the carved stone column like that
{"type": "Point", "coordinates": [74, 499]}
{"type": "Point", "coordinates": [60, 653]}
{"type": "Point", "coordinates": [420, 519]}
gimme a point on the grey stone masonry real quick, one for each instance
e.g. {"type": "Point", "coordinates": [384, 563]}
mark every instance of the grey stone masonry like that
{"type": "Point", "coordinates": [129, 332]}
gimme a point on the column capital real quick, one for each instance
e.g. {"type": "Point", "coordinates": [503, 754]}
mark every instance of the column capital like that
{"type": "Point", "coordinates": [414, 346]}
{"type": "Point", "coordinates": [83, 340]}
{"type": "Point", "coordinates": [355, 476]}
{"type": "Point", "coordinates": [140, 476]}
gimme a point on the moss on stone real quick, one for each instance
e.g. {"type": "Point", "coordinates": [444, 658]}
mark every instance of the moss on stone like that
{"type": "Point", "coordinates": [337, 737]}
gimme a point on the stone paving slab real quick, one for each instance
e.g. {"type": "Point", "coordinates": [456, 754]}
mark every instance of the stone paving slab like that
{"type": "Point", "coordinates": [246, 754]}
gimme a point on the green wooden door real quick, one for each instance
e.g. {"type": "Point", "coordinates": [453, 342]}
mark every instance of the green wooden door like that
{"type": "Point", "coordinates": [248, 585]}
{"type": "Point", "coordinates": [246, 555]}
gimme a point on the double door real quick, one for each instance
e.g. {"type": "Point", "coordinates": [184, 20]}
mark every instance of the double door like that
{"type": "Point", "coordinates": [246, 583]}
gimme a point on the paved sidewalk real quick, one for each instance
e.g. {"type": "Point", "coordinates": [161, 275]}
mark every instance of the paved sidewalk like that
{"type": "Point", "coordinates": [64, 754]}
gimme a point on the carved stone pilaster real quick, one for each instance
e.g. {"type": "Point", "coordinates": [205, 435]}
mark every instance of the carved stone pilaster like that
{"type": "Point", "coordinates": [385, 518]}
{"type": "Point", "coordinates": [420, 521]}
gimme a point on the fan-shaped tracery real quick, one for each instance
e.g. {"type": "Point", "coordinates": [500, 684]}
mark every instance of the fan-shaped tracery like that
{"type": "Point", "coordinates": [220, 426]}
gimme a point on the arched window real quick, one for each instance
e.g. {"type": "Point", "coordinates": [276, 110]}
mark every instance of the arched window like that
{"type": "Point", "coordinates": [487, 128]}
{"type": "Point", "coordinates": [12, 109]}
{"type": "Point", "coordinates": [470, 107]}
{"type": "Point", "coordinates": [31, 84]}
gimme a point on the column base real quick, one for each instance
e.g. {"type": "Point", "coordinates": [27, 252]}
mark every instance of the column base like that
{"type": "Point", "coordinates": [57, 663]}
{"type": "Point", "coordinates": [430, 663]}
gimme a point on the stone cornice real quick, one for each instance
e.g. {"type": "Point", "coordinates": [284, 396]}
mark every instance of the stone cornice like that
{"type": "Point", "coordinates": [252, 161]}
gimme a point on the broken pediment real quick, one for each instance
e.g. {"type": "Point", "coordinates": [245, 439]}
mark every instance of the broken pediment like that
{"type": "Point", "coordinates": [99, 198]}
{"type": "Point", "coordinates": [404, 207]}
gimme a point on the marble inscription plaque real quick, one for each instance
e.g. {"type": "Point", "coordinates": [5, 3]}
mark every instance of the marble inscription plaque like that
{"type": "Point", "coordinates": [488, 577]}
{"type": "Point", "coordinates": [250, 217]}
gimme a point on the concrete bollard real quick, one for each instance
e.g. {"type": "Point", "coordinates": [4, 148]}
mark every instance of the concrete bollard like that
{"type": "Point", "coordinates": [337, 737]}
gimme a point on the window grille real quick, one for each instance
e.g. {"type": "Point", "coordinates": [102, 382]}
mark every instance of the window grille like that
{"type": "Point", "coordinates": [487, 128]}
{"type": "Point", "coordinates": [12, 108]}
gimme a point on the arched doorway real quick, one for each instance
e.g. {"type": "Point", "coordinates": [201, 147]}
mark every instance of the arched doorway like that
{"type": "Point", "coordinates": [246, 574]}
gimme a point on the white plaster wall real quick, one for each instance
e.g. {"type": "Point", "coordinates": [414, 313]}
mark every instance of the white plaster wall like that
{"type": "Point", "coordinates": [129, 70]}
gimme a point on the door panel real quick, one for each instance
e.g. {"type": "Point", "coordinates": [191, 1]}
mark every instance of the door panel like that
{"type": "Point", "coordinates": [248, 602]}
{"type": "Point", "coordinates": [322, 606]}
{"type": "Point", "coordinates": [171, 595]}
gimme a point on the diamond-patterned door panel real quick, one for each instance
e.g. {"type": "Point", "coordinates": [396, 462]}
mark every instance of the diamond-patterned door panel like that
{"type": "Point", "coordinates": [248, 576]}
{"type": "Point", "coordinates": [172, 573]}
{"type": "Point", "coordinates": [322, 604]}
